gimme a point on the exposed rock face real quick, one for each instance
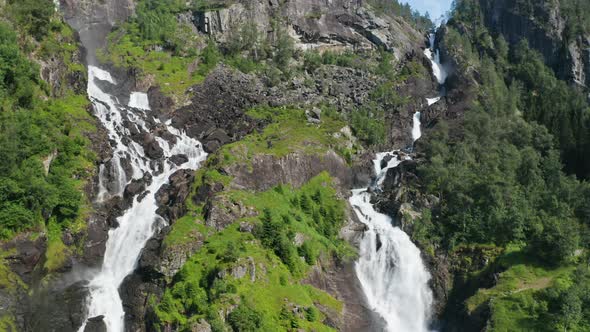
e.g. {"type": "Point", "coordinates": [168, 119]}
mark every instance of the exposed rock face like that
{"type": "Point", "coordinates": [221, 212]}
{"type": "Point", "coordinates": [295, 169]}
{"type": "Point", "coordinates": [93, 20]}
{"type": "Point", "coordinates": [341, 281]}
{"type": "Point", "coordinates": [544, 29]}
{"type": "Point", "coordinates": [59, 310]}
{"type": "Point", "coordinates": [216, 115]}
{"type": "Point", "coordinates": [172, 195]}
{"type": "Point", "coordinates": [334, 24]}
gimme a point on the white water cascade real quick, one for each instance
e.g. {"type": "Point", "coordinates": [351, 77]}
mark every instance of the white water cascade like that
{"type": "Point", "coordinates": [140, 222]}
{"type": "Point", "coordinates": [437, 68]}
{"type": "Point", "coordinates": [390, 269]}
{"type": "Point", "coordinates": [434, 56]}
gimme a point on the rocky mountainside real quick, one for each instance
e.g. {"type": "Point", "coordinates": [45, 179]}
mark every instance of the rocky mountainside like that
{"type": "Point", "coordinates": [548, 28]}
{"type": "Point", "coordinates": [291, 100]}
{"type": "Point", "coordinates": [316, 64]}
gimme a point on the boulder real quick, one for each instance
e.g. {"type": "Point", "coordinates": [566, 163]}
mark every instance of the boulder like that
{"type": "Point", "coordinates": [96, 324]}
{"type": "Point", "coordinates": [151, 147]}
{"type": "Point", "coordinates": [171, 196]}
{"type": "Point", "coordinates": [314, 115]}
{"type": "Point", "coordinates": [179, 159]}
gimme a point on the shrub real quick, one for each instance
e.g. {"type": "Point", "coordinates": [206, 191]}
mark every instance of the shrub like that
{"type": "Point", "coordinates": [244, 319]}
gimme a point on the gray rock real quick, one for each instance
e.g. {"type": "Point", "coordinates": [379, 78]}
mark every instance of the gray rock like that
{"type": "Point", "coordinates": [314, 115]}
{"type": "Point", "coordinates": [201, 326]}
{"type": "Point", "coordinates": [246, 227]}
{"type": "Point", "coordinates": [96, 324]}
{"type": "Point", "coordinates": [152, 147]}
{"type": "Point", "coordinates": [179, 159]}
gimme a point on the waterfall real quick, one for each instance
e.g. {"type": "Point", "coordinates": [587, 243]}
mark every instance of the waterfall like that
{"type": "Point", "coordinates": [437, 68]}
{"type": "Point", "coordinates": [390, 268]}
{"type": "Point", "coordinates": [434, 56]}
{"type": "Point", "coordinates": [416, 130]}
{"type": "Point", "coordinates": [140, 222]}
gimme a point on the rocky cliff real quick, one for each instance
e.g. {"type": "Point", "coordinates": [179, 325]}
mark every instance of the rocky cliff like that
{"type": "Point", "coordinates": [216, 113]}
{"type": "Point", "coordinates": [315, 24]}
{"type": "Point", "coordinates": [544, 25]}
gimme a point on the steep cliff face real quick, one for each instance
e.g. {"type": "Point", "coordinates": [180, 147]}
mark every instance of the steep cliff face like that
{"type": "Point", "coordinates": [94, 19]}
{"type": "Point", "coordinates": [340, 24]}
{"type": "Point", "coordinates": [544, 26]}
{"type": "Point", "coordinates": [215, 113]}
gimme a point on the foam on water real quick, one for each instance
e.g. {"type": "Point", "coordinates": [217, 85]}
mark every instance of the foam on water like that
{"type": "Point", "coordinates": [140, 222]}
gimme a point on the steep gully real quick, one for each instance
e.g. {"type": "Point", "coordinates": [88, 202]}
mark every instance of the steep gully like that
{"type": "Point", "coordinates": [390, 268]}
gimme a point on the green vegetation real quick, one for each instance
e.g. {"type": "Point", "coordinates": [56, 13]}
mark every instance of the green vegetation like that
{"type": "Point", "coordinates": [33, 16]}
{"type": "Point", "coordinates": [288, 132]}
{"type": "Point", "coordinates": [35, 127]}
{"type": "Point", "coordinates": [529, 296]}
{"type": "Point", "coordinates": [551, 102]}
{"type": "Point", "coordinates": [395, 8]}
{"type": "Point", "coordinates": [270, 287]}
{"type": "Point", "coordinates": [174, 74]}
{"type": "Point", "coordinates": [501, 183]}
{"type": "Point", "coordinates": [254, 281]}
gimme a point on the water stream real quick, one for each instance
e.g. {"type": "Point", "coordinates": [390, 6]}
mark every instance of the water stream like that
{"type": "Point", "coordinates": [139, 223]}
{"type": "Point", "coordinates": [390, 268]}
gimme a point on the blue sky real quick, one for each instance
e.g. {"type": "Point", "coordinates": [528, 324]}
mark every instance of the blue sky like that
{"type": "Point", "coordinates": [436, 8]}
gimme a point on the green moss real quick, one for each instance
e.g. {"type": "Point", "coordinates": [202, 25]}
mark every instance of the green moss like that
{"type": "Point", "coordinates": [57, 252]}
{"type": "Point", "coordinates": [287, 132]}
{"type": "Point", "coordinates": [514, 302]}
{"type": "Point", "coordinates": [184, 231]}
{"type": "Point", "coordinates": [7, 323]}
{"type": "Point", "coordinates": [199, 291]}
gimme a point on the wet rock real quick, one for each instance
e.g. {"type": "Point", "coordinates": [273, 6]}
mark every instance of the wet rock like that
{"type": "Point", "coordinates": [386, 161]}
{"type": "Point", "coordinates": [158, 101]}
{"type": "Point", "coordinates": [134, 188]}
{"type": "Point", "coordinates": [171, 196]}
{"type": "Point", "coordinates": [179, 159]}
{"type": "Point", "coordinates": [151, 147]}
{"type": "Point", "coordinates": [60, 309]}
{"type": "Point", "coordinates": [96, 324]}
{"type": "Point", "coordinates": [135, 291]}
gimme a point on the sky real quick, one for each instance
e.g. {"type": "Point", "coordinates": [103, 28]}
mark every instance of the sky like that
{"type": "Point", "coordinates": [436, 8]}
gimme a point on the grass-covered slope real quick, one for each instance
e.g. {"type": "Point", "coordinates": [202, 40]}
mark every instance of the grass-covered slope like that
{"type": "Point", "coordinates": [256, 276]}
{"type": "Point", "coordinates": [250, 275]}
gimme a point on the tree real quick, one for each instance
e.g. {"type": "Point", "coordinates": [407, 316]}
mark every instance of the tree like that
{"type": "Point", "coordinates": [244, 319]}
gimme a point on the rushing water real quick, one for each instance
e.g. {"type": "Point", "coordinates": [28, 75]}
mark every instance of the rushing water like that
{"type": "Point", "coordinates": [140, 221]}
{"type": "Point", "coordinates": [390, 269]}
{"type": "Point", "coordinates": [434, 56]}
